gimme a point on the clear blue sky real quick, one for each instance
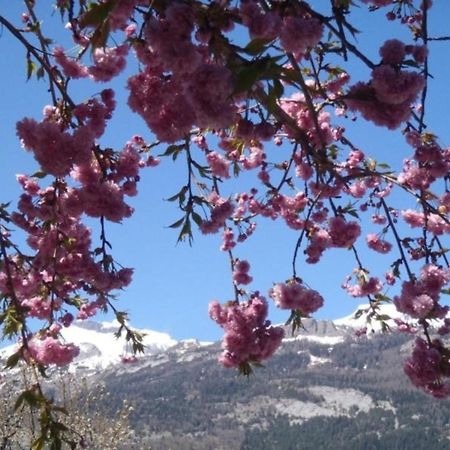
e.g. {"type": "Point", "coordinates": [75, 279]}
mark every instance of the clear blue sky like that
{"type": "Point", "coordinates": [174, 283]}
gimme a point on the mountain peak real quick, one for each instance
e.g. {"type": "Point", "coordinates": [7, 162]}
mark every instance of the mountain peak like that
{"type": "Point", "coordinates": [100, 348]}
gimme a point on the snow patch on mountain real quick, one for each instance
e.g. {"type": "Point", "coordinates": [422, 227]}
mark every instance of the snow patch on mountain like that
{"type": "Point", "coordinates": [325, 340]}
{"type": "Point", "coordinates": [358, 320]}
{"type": "Point", "coordinates": [100, 348]}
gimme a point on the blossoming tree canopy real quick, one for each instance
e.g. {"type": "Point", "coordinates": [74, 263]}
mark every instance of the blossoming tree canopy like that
{"type": "Point", "coordinates": [255, 90]}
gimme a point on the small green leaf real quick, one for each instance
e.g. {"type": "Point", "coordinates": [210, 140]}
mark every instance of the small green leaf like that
{"type": "Point", "coordinates": [383, 317]}
{"type": "Point", "coordinates": [257, 46]}
{"type": "Point", "coordinates": [353, 213]}
{"type": "Point", "coordinates": [246, 78]}
{"type": "Point", "coordinates": [359, 313]}
{"type": "Point", "coordinates": [178, 195]}
{"type": "Point", "coordinates": [245, 369]}
{"type": "Point", "coordinates": [13, 360]}
{"type": "Point", "coordinates": [100, 36]}
{"type": "Point", "coordinates": [96, 14]}
{"type": "Point", "coordinates": [186, 232]}
{"type": "Point", "coordinates": [172, 149]}
{"type": "Point", "coordinates": [177, 224]}
{"type": "Point", "coordinates": [31, 67]}
{"type": "Point", "coordinates": [196, 218]}
{"type": "Point", "coordinates": [39, 174]}
{"type": "Point", "coordinates": [29, 396]}
{"type": "Point", "coordinates": [39, 443]}
{"type": "Point", "coordinates": [40, 73]}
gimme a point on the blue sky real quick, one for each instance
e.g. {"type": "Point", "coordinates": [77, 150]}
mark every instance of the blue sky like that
{"type": "Point", "coordinates": [174, 283]}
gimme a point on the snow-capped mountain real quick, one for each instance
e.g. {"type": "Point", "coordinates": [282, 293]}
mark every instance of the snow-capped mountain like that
{"type": "Point", "coordinates": [359, 321]}
{"type": "Point", "coordinates": [100, 348]}
{"type": "Point", "coordinates": [387, 311]}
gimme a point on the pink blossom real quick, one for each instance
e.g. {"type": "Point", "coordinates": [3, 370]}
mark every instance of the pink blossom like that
{"type": "Point", "coordinates": [297, 108]}
{"type": "Point", "coordinates": [170, 40]}
{"type": "Point", "coordinates": [395, 87]}
{"type": "Point", "coordinates": [437, 225]}
{"type": "Point", "coordinates": [55, 149]}
{"type": "Point", "coordinates": [105, 199]}
{"type": "Point", "coordinates": [319, 242]}
{"type": "Point", "coordinates": [390, 278]}
{"type": "Point", "coordinates": [40, 308]}
{"type": "Point", "coordinates": [219, 214]}
{"type": "Point", "coordinates": [420, 53]}
{"type": "Point", "coordinates": [218, 164]}
{"type": "Point", "coordinates": [159, 102]}
{"type": "Point", "coordinates": [255, 159]}
{"type": "Point", "coordinates": [129, 359]}
{"type": "Point", "coordinates": [343, 234]}
{"type": "Point", "coordinates": [210, 90]}
{"type": "Point", "coordinates": [428, 366]}
{"type": "Point", "coordinates": [120, 13]}
{"type": "Point", "coordinates": [361, 97]}
{"type": "Point", "coordinates": [419, 298]}
{"type": "Point", "coordinates": [50, 351]}
{"type": "Point", "coordinates": [260, 24]}
{"type": "Point", "coordinates": [128, 162]}
{"type": "Point", "coordinates": [66, 319]}
{"type": "Point", "coordinates": [379, 245]}
{"type": "Point", "coordinates": [298, 34]}
{"type": "Point", "coordinates": [413, 218]}
{"type": "Point", "coordinates": [379, 219]}
{"type": "Point", "coordinates": [108, 62]}
{"type": "Point", "coordinates": [29, 185]}
{"type": "Point", "coordinates": [304, 171]}
{"type": "Point", "coordinates": [228, 241]}
{"type": "Point", "coordinates": [295, 296]}
{"type": "Point", "coordinates": [364, 287]}
{"type": "Point", "coordinates": [240, 272]}
{"type": "Point", "coordinates": [94, 113]}
{"type": "Point", "coordinates": [393, 51]}
{"type": "Point", "coordinates": [71, 67]}
{"type": "Point", "coordinates": [249, 337]}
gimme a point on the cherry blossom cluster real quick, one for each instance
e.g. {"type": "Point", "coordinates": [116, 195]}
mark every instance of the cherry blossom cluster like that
{"type": "Point", "coordinates": [50, 351]}
{"type": "Point", "coordinates": [428, 367]}
{"type": "Point", "coordinates": [339, 233]}
{"type": "Point", "coordinates": [365, 284]}
{"type": "Point", "coordinates": [179, 75]}
{"type": "Point", "coordinates": [297, 33]}
{"type": "Point", "coordinates": [240, 272]}
{"type": "Point", "coordinates": [249, 336]}
{"type": "Point", "coordinates": [420, 298]}
{"type": "Point", "coordinates": [386, 99]}
{"type": "Point", "coordinates": [108, 63]}
{"type": "Point", "coordinates": [295, 296]}
{"type": "Point", "coordinates": [65, 271]}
